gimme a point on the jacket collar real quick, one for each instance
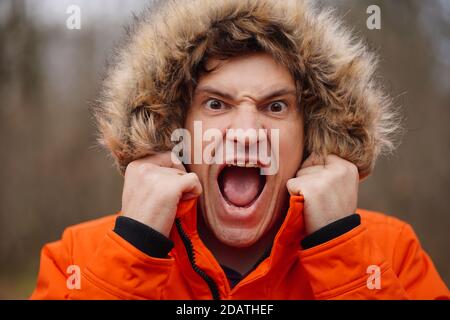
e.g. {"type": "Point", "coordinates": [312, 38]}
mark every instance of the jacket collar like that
{"type": "Point", "coordinates": [284, 250]}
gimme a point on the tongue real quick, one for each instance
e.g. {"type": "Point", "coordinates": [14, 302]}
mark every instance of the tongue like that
{"type": "Point", "coordinates": [240, 185]}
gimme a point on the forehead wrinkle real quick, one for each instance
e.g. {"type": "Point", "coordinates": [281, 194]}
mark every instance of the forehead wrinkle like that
{"type": "Point", "coordinates": [252, 76]}
{"type": "Point", "coordinates": [235, 95]}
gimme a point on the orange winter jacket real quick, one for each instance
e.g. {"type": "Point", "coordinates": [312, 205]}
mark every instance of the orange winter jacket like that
{"type": "Point", "coordinates": [379, 259]}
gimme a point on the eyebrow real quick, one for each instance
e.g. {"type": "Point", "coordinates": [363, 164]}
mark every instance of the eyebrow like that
{"type": "Point", "coordinates": [227, 96]}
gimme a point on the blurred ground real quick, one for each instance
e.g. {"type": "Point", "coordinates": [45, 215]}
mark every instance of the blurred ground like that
{"type": "Point", "coordinates": [52, 174]}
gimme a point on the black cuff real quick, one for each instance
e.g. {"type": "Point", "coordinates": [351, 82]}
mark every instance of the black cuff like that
{"type": "Point", "coordinates": [143, 237]}
{"type": "Point", "coordinates": [331, 231]}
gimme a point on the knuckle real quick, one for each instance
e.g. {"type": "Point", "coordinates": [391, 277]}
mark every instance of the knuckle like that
{"type": "Point", "coordinates": [342, 171]}
{"type": "Point", "coordinates": [145, 168]}
{"type": "Point", "coordinates": [292, 184]}
{"type": "Point", "coordinates": [131, 168]}
{"type": "Point", "coordinates": [139, 169]}
{"type": "Point", "coordinates": [350, 170]}
{"type": "Point", "coordinates": [353, 169]}
{"type": "Point", "coordinates": [193, 177]}
{"type": "Point", "coordinates": [339, 170]}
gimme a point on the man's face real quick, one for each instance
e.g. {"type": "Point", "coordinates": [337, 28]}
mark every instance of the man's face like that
{"type": "Point", "coordinates": [238, 203]}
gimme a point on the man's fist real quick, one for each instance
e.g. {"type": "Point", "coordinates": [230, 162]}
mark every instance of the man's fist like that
{"type": "Point", "coordinates": [330, 190]}
{"type": "Point", "coordinates": [153, 187]}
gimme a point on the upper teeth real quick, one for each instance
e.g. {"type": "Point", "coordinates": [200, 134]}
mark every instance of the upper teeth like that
{"type": "Point", "coordinates": [246, 165]}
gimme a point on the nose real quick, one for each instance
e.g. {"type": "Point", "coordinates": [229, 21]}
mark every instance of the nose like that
{"type": "Point", "coordinates": [245, 126]}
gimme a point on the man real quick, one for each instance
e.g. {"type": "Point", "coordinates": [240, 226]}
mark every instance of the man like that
{"type": "Point", "coordinates": [278, 74]}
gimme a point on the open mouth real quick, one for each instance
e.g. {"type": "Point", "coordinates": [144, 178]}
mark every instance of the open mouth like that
{"type": "Point", "coordinates": [241, 186]}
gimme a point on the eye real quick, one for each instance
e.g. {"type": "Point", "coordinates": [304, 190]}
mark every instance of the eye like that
{"type": "Point", "coordinates": [277, 107]}
{"type": "Point", "coordinates": [214, 104]}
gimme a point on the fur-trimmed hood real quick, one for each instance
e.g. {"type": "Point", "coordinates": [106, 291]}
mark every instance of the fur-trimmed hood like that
{"type": "Point", "coordinates": [142, 101]}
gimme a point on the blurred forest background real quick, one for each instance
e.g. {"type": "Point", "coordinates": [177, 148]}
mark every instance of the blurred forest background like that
{"type": "Point", "coordinates": [53, 175]}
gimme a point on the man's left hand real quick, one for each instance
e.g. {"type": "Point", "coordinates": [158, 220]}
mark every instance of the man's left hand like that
{"type": "Point", "coordinates": [329, 187]}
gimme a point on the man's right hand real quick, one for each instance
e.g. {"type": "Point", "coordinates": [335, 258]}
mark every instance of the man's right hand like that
{"type": "Point", "coordinates": [153, 187]}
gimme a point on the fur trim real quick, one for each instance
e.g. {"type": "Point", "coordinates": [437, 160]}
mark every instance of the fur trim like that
{"type": "Point", "coordinates": [346, 112]}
